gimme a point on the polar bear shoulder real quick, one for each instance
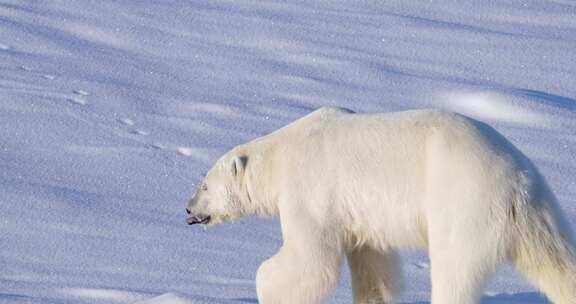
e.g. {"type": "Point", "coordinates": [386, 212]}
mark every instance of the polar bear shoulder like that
{"type": "Point", "coordinates": [321, 115]}
{"type": "Point", "coordinates": [301, 126]}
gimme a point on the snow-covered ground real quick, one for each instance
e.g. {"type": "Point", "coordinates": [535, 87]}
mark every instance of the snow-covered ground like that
{"type": "Point", "coordinates": [111, 111]}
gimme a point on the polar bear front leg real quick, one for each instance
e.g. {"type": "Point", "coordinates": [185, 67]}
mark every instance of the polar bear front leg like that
{"type": "Point", "coordinates": [294, 276]}
{"type": "Point", "coordinates": [376, 275]}
{"type": "Point", "coordinates": [305, 270]}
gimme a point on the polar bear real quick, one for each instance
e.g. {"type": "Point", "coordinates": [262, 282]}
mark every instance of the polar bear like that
{"type": "Point", "coordinates": [363, 186]}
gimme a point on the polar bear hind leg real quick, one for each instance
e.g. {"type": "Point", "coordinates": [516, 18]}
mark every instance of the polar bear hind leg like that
{"type": "Point", "coordinates": [464, 253]}
{"type": "Point", "coordinates": [459, 276]}
{"type": "Point", "coordinates": [376, 275]}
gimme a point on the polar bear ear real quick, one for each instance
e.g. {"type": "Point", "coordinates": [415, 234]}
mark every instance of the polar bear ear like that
{"type": "Point", "coordinates": [238, 165]}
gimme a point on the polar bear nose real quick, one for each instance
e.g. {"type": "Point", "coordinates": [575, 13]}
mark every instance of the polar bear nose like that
{"type": "Point", "coordinates": [188, 211]}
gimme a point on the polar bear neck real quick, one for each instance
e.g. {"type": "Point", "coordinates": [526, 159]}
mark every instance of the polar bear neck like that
{"type": "Point", "coordinates": [259, 174]}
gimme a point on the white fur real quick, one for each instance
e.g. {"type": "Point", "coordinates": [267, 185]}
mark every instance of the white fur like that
{"type": "Point", "coordinates": [364, 186]}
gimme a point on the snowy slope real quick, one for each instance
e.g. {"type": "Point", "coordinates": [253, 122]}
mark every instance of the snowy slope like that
{"type": "Point", "coordinates": [111, 111]}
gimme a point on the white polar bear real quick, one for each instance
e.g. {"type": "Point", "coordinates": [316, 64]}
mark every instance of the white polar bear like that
{"type": "Point", "coordinates": [364, 186]}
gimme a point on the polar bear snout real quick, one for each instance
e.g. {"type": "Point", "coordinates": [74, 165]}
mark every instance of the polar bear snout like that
{"type": "Point", "coordinates": [196, 216]}
{"type": "Point", "coordinates": [198, 219]}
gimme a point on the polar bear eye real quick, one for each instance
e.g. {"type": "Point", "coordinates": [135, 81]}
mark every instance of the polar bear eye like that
{"type": "Point", "coordinates": [204, 187]}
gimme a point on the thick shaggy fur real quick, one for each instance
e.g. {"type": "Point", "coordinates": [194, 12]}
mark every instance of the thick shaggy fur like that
{"type": "Point", "coordinates": [363, 186]}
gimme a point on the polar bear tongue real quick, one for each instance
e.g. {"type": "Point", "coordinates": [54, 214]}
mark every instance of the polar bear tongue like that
{"type": "Point", "coordinates": [195, 219]}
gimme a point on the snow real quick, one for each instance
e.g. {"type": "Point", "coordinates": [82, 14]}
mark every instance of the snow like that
{"type": "Point", "coordinates": [108, 295]}
{"type": "Point", "coordinates": [111, 112]}
{"type": "Point", "coordinates": [487, 106]}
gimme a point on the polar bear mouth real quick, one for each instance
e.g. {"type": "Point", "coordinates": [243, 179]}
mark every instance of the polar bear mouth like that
{"type": "Point", "coordinates": [198, 220]}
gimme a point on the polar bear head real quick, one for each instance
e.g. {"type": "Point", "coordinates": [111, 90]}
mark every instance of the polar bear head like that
{"type": "Point", "coordinates": [222, 195]}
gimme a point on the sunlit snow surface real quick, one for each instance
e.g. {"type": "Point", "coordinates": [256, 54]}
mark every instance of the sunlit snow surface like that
{"type": "Point", "coordinates": [111, 112]}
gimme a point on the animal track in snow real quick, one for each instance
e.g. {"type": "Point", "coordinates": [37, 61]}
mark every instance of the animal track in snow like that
{"type": "Point", "coordinates": [126, 121]}
{"type": "Point", "coordinates": [81, 92]}
{"type": "Point", "coordinates": [185, 151]}
{"type": "Point", "coordinates": [77, 100]}
{"type": "Point", "coordinates": [129, 122]}
{"type": "Point", "coordinates": [140, 132]}
{"type": "Point", "coordinates": [156, 146]}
